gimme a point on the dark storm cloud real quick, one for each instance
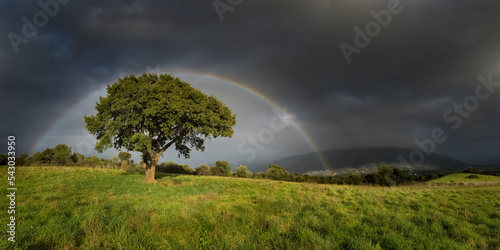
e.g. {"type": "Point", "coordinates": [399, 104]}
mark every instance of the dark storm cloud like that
{"type": "Point", "coordinates": [427, 58]}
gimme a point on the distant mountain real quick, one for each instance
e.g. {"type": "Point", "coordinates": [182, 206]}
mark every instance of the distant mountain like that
{"type": "Point", "coordinates": [368, 158]}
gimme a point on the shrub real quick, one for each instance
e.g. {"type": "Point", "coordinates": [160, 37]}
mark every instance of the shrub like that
{"type": "Point", "coordinates": [203, 169]}
{"type": "Point", "coordinates": [472, 171]}
{"type": "Point", "coordinates": [124, 163]}
{"type": "Point", "coordinates": [276, 172]}
{"type": "Point", "coordinates": [242, 172]}
{"type": "Point", "coordinates": [174, 168]}
{"type": "Point", "coordinates": [260, 175]}
{"type": "Point", "coordinates": [472, 176]}
{"type": "Point", "coordinates": [214, 170]}
{"type": "Point", "coordinates": [223, 168]}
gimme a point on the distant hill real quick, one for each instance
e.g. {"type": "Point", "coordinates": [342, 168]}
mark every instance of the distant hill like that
{"type": "Point", "coordinates": [367, 158]}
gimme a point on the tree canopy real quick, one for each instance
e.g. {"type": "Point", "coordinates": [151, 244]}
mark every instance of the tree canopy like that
{"type": "Point", "coordinates": [124, 156]}
{"type": "Point", "coordinates": [151, 113]}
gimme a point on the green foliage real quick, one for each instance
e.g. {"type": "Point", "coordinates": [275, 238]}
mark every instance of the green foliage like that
{"type": "Point", "coordinates": [22, 160]}
{"type": "Point", "coordinates": [93, 160]}
{"type": "Point", "coordinates": [214, 171]}
{"type": "Point", "coordinates": [276, 172]}
{"type": "Point", "coordinates": [92, 208]}
{"type": "Point", "coordinates": [223, 168]}
{"type": "Point", "coordinates": [124, 156]}
{"type": "Point", "coordinates": [473, 176]}
{"type": "Point", "coordinates": [124, 163]}
{"type": "Point", "coordinates": [174, 168]}
{"type": "Point", "coordinates": [203, 169]}
{"type": "Point", "coordinates": [243, 172]}
{"type": "Point", "coordinates": [61, 155]}
{"type": "Point", "coordinates": [386, 174]}
{"type": "Point", "coordinates": [472, 171]}
{"type": "Point", "coordinates": [465, 178]}
{"type": "Point", "coordinates": [78, 158]}
{"type": "Point", "coordinates": [44, 157]}
{"type": "Point", "coordinates": [150, 113]}
{"type": "Point", "coordinates": [259, 175]}
{"type": "Point", "coordinates": [356, 179]}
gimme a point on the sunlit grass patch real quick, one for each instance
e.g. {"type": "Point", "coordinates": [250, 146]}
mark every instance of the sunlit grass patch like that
{"type": "Point", "coordinates": [467, 178]}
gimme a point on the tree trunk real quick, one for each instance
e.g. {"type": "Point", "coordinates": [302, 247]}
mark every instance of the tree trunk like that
{"type": "Point", "coordinates": [151, 166]}
{"type": "Point", "coordinates": [150, 173]}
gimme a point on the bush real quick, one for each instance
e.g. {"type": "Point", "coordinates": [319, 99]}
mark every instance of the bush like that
{"type": "Point", "coordinates": [174, 168]}
{"type": "Point", "coordinates": [242, 172]}
{"type": "Point", "coordinates": [472, 176]}
{"type": "Point", "coordinates": [356, 179]}
{"type": "Point", "coordinates": [124, 163]}
{"type": "Point", "coordinates": [223, 168]}
{"type": "Point", "coordinates": [259, 175]}
{"type": "Point", "coordinates": [276, 172]}
{"type": "Point", "coordinates": [472, 171]}
{"type": "Point", "coordinates": [203, 169]}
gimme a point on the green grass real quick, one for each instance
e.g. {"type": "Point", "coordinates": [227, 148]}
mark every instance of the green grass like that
{"type": "Point", "coordinates": [463, 178]}
{"type": "Point", "coordinates": [69, 208]}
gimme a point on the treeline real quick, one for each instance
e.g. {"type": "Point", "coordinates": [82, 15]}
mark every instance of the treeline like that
{"type": "Point", "coordinates": [383, 176]}
{"type": "Point", "coordinates": [476, 171]}
{"type": "Point", "coordinates": [62, 155]}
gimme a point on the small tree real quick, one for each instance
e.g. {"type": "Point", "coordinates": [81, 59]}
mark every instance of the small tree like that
{"type": "Point", "coordinates": [223, 168]}
{"type": "Point", "coordinates": [93, 161]}
{"type": "Point", "coordinates": [242, 171]}
{"type": "Point", "coordinates": [61, 155]}
{"type": "Point", "coordinates": [386, 172]}
{"type": "Point", "coordinates": [78, 158]}
{"type": "Point", "coordinates": [152, 113]}
{"type": "Point", "coordinates": [44, 157]}
{"type": "Point", "coordinates": [214, 170]}
{"type": "Point", "coordinates": [276, 172]}
{"type": "Point", "coordinates": [203, 169]}
{"type": "Point", "coordinates": [124, 156]}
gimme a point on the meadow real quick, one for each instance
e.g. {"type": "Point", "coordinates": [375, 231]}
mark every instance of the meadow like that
{"type": "Point", "coordinates": [91, 208]}
{"type": "Point", "coordinates": [465, 178]}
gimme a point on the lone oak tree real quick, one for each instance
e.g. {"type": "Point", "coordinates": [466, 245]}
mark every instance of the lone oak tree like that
{"type": "Point", "coordinates": [150, 113]}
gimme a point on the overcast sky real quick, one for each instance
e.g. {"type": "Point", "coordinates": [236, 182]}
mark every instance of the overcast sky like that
{"type": "Point", "coordinates": [395, 82]}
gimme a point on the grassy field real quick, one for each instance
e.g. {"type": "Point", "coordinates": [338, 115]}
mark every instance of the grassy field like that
{"type": "Point", "coordinates": [464, 178]}
{"type": "Point", "coordinates": [69, 208]}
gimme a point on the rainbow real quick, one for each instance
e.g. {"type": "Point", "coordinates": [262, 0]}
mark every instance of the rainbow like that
{"type": "Point", "coordinates": [215, 78]}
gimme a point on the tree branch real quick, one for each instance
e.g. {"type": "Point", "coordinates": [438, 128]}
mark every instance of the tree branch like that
{"type": "Point", "coordinates": [174, 141]}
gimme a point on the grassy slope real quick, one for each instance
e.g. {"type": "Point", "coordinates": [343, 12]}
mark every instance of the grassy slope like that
{"type": "Point", "coordinates": [462, 177]}
{"type": "Point", "coordinates": [94, 208]}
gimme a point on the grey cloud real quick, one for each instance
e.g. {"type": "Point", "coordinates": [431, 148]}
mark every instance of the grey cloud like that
{"type": "Point", "coordinates": [424, 61]}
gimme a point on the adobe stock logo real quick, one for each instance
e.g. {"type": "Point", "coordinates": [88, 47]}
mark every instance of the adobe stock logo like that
{"type": "Point", "coordinates": [372, 29]}
{"type": "Point", "coordinates": [455, 116]}
{"type": "Point", "coordinates": [257, 142]}
{"type": "Point", "coordinates": [222, 7]}
{"type": "Point", "coordinates": [40, 19]}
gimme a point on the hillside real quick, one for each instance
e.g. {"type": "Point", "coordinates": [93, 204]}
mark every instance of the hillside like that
{"type": "Point", "coordinates": [368, 158]}
{"type": "Point", "coordinates": [465, 178]}
{"type": "Point", "coordinates": [68, 208]}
